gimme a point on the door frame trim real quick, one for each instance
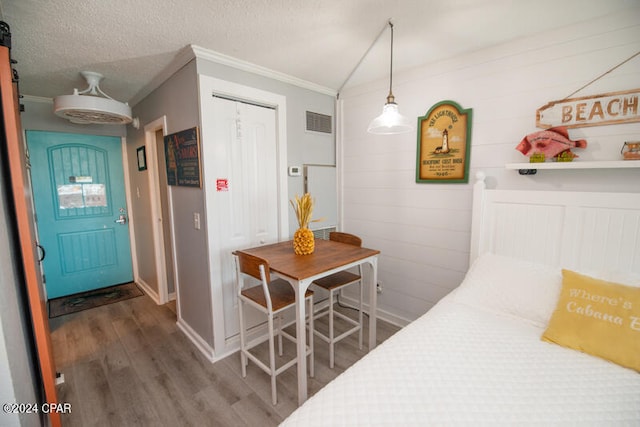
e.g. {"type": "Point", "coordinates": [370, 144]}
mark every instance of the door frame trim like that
{"type": "Point", "coordinates": [129, 202]}
{"type": "Point", "coordinates": [150, 130]}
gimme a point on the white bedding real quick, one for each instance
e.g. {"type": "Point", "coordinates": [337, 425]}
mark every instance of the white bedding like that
{"type": "Point", "coordinates": [464, 363]}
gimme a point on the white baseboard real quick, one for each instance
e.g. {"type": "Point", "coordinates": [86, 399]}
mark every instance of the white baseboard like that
{"type": "Point", "coordinates": [401, 322]}
{"type": "Point", "coordinates": [197, 340]}
{"type": "Point", "coordinates": [152, 293]}
{"type": "Point", "coordinates": [148, 290]}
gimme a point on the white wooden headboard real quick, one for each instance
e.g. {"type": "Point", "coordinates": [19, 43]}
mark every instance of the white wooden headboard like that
{"type": "Point", "coordinates": [583, 231]}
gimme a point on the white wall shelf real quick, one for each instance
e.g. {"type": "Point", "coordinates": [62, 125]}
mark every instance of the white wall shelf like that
{"type": "Point", "coordinates": [532, 168]}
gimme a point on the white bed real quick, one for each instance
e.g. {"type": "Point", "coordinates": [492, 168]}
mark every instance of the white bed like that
{"type": "Point", "coordinates": [476, 358]}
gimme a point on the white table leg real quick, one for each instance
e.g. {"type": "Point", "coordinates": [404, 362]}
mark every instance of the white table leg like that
{"type": "Point", "coordinates": [373, 303]}
{"type": "Point", "coordinates": [301, 340]}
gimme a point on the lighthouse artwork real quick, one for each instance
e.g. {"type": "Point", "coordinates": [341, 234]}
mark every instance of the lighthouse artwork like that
{"type": "Point", "coordinates": [444, 148]}
{"type": "Point", "coordinates": [444, 141]}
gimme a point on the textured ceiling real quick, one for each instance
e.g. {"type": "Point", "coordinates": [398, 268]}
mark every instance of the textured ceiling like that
{"type": "Point", "coordinates": [131, 41]}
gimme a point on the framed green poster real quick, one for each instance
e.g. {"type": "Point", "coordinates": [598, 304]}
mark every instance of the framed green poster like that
{"type": "Point", "coordinates": [444, 144]}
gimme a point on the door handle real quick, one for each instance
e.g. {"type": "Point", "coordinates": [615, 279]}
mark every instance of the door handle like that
{"type": "Point", "coordinates": [122, 219]}
{"type": "Point", "coordinates": [42, 251]}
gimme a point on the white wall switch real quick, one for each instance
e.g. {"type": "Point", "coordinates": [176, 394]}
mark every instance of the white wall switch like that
{"type": "Point", "coordinates": [196, 220]}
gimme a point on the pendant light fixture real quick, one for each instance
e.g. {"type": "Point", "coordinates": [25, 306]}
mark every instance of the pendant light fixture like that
{"type": "Point", "coordinates": [92, 105]}
{"type": "Point", "coordinates": [390, 121]}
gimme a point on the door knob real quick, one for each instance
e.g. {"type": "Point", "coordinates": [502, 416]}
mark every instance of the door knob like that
{"type": "Point", "coordinates": [122, 219]}
{"type": "Point", "coordinates": [43, 252]}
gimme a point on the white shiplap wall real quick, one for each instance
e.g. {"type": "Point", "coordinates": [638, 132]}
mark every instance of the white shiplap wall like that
{"type": "Point", "coordinates": [423, 230]}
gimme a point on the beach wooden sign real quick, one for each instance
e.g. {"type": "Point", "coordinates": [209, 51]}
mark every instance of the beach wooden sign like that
{"type": "Point", "coordinates": [604, 109]}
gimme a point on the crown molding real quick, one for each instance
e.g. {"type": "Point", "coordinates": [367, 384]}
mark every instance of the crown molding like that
{"type": "Point", "coordinates": [219, 58]}
{"type": "Point", "coordinates": [40, 99]}
{"type": "Point", "coordinates": [191, 52]}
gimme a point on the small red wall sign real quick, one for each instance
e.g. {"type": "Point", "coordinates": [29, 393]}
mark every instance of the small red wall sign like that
{"type": "Point", "coordinates": [222, 184]}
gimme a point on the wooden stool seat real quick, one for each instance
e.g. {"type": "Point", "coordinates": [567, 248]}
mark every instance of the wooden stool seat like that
{"type": "Point", "coordinates": [281, 292]}
{"type": "Point", "coordinates": [337, 280]}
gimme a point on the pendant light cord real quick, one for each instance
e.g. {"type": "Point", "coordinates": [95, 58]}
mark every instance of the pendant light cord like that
{"type": "Point", "coordinates": [391, 62]}
{"type": "Point", "coordinates": [365, 55]}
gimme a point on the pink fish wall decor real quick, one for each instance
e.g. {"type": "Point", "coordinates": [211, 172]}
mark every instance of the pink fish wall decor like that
{"type": "Point", "coordinates": [550, 142]}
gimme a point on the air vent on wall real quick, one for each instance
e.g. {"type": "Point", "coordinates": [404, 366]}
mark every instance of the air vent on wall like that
{"type": "Point", "coordinates": [317, 122]}
{"type": "Point", "coordinates": [323, 233]}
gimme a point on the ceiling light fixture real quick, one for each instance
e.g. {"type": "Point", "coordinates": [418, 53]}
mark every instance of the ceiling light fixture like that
{"type": "Point", "coordinates": [92, 105]}
{"type": "Point", "coordinates": [390, 121]}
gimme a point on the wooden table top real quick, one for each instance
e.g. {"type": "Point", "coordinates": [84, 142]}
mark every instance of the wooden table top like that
{"type": "Point", "coordinates": [326, 256]}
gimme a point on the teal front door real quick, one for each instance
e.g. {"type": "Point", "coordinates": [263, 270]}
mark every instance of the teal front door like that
{"type": "Point", "coordinates": [78, 190]}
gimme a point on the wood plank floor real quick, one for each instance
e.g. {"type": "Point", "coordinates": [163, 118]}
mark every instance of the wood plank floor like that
{"type": "Point", "coordinates": [128, 364]}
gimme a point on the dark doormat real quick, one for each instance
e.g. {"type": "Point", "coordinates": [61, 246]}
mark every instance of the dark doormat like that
{"type": "Point", "coordinates": [96, 298]}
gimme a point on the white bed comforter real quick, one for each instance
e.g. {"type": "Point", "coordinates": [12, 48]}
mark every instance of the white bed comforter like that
{"type": "Point", "coordinates": [463, 365]}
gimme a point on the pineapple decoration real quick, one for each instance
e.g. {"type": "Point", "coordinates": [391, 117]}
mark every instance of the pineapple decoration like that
{"type": "Point", "coordinates": [303, 239]}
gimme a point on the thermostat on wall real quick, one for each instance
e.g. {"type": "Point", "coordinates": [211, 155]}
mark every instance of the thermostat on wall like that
{"type": "Point", "coordinates": [294, 171]}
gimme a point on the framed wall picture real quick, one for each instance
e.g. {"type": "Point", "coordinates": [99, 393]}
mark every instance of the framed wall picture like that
{"type": "Point", "coordinates": [444, 144]}
{"type": "Point", "coordinates": [182, 151]}
{"type": "Point", "coordinates": [141, 154]}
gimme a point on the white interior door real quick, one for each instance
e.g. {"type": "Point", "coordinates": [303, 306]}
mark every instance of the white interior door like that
{"type": "Point", "coordinates": [246, 188]}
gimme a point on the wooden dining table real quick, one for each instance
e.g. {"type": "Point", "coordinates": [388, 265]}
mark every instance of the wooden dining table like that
{"type": "Point", "coordinates": [301, 270]}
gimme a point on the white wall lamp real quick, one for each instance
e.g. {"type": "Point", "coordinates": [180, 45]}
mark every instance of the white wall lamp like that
{"type": "Point", "coordinates": [390, 121]}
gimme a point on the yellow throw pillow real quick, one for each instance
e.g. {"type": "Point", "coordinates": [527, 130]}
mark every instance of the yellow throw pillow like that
{"type": "Point", "coordinates": [599, 318]}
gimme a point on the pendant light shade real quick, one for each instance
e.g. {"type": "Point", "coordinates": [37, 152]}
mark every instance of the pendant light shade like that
{"type": "Point", "coordinates": [390, 121]}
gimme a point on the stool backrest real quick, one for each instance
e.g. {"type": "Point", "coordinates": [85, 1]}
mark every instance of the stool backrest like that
{"type": "Point", "coordinates": [250, 264]}
{"type": "Point", "coordinates": [350, 239]}
{"type": "Point", "coordinates": [256, 267]}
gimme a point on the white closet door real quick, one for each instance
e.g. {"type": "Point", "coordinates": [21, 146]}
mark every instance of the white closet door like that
{"type": "Point", "coordinates": [247, 208]}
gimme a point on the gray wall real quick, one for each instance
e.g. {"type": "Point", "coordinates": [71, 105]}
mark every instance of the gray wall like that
{"type": "Point", "coordinates": [177, 100]}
